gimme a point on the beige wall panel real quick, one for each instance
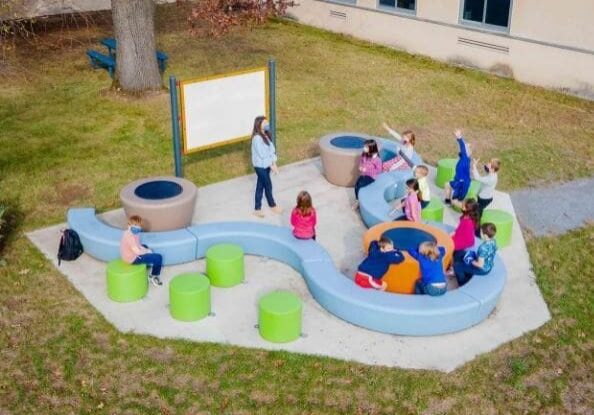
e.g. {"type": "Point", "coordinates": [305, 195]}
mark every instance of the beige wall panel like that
{"type": "Point", "coordinates": [446, 11]}
{"type": "Point", "coordinates": [569, 22]}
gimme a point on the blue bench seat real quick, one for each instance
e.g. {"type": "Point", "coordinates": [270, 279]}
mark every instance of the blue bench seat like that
{"type": "Point", "coordinates": [99, 60]}
{"type": "Point", "coordinates": [417, 315]}
{"type": "Point", "coordinates": [102, 241]}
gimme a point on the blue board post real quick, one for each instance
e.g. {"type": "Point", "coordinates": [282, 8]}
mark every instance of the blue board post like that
{"type": "Point", "coordinates": [177, 155]}
{"type": "Point", "coordinates": [272, 97]}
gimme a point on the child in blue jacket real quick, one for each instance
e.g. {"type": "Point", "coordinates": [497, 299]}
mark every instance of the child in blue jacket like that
{"type": "Point", "coordinates": [373, 268]}
{"type": "Point", "coordinates": [457, 189]}
{"type": "Point", "coordinates": [430, 258]}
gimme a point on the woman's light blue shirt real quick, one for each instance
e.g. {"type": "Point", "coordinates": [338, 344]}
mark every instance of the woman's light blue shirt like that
{"type": "Point", "coordinates": [263, 156]}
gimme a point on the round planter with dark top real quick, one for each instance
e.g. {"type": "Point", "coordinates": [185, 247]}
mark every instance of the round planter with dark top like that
{"type": "Point", "coordinates": [164, 203]}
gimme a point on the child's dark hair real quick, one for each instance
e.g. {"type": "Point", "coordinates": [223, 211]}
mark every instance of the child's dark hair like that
{"type": "Point", "coordinates": [372, 147]}
{"type": "Point", "coordinates": [489, 229]}
{"type": "Point", "coordinates": [471, 209]}
{"type": "Point", "coordinates": [304, 203]}
{"type": "Point", "coordinates": [258, 130]}
{"type": "Point", "coordinates": [414, 184]}
{"type": "Point", "coordinates": [384, 241]}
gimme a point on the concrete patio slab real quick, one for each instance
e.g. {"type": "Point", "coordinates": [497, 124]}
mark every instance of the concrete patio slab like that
{"type": "Point", "coordinates": [340, 230]}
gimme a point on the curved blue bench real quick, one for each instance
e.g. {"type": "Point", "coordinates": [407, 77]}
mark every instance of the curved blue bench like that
{"type": "Point", "coordinates": [374, 198]}
{"type": "Point", "coordinates": [385, 312]}
{"type": "Point", "coordinates": [417, 315]}
{"type": "Point", "coordinates": [102, 241]}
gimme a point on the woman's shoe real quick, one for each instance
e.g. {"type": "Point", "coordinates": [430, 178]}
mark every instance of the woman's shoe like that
{"type": "Point", "coordinates": [259, 213]}
{"type": "Point", "coordinates": [277, 209]}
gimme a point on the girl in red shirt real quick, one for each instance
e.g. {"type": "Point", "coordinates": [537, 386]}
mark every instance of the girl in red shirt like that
{"type": "Point", "coordinates": [463, 236]}
{"type": "Point", "coordinates": [303, 217]}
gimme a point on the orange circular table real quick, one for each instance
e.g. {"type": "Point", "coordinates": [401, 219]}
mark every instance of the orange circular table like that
{"type": "Point", "coordinates": [401, 278]}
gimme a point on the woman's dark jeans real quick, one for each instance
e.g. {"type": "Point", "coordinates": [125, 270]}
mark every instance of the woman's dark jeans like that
{"type": "Point", "coordinates": [263, 185]}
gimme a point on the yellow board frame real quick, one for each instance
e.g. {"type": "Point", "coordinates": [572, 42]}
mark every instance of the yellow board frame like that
{"type": "Point", "coordinates": [187, 151]}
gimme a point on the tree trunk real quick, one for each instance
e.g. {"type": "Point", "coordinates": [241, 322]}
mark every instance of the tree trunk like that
{"type": "Point", "coordinates": [136, 60]}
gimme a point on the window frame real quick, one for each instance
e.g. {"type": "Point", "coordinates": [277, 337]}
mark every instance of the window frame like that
{"type": "Point", "coordinates": [396, 9]}
{"type": "Point", "coordinates": [482, 24]}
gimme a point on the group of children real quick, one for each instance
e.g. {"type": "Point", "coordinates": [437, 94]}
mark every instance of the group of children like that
{"type": "Point", "coordinates": [466, 263]}
{"type": "Point", "coordinates": [382, 253]}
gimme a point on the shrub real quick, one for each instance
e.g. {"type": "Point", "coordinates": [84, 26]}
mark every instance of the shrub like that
{"type": "Point", "coordinates": [9, 220]}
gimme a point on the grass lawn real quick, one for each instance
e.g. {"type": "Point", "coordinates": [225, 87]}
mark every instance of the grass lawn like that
{"type": "Point", "coordinates": [66, 140]}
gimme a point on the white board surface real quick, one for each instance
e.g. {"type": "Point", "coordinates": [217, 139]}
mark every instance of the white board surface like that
{"type": "Point", "coordinates": [222, 109]}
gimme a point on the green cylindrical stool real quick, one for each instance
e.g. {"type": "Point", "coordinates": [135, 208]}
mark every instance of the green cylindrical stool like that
{"type": "Point", "coordinates": [433, 211]}
{"type": "Point", "coordinates": [126, 282]}
{"type": "Point", "coordinates": [224, 265]}
{"type": "Point", "coordinates": [503, 221]}
{"type": "Point", "coordinates": [446, 169]}
{"type": "Point", "coordinates": [279, 317]}
{"type": "Point", "coordinates": [189, 297]}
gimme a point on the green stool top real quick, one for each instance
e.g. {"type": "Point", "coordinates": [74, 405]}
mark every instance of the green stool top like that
{"type": "Point", "coordinates": [224, 265]}
{"type": "Point", "coordinates": [280, 302]}
{"type": "Point", "coordinates": [189, 296]}
{"type": "Point", "coordinates": [446, 169]}
{"type": "Point", "coordinates": [503, 221]}
{"type": "Point", "coordinates": [126, 282]}
{"type": "Point", "coordinates": [279, 317]}
{"type": "Point", "coordinates": [433, 211]}
{"type": "Point", "coordinates": [189, 282]}
{"type": "Point", "coordinates": [224, 252]}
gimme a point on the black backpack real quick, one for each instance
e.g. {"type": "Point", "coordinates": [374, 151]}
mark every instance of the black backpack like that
{"type": "Point", "coordinates": [70, 246]}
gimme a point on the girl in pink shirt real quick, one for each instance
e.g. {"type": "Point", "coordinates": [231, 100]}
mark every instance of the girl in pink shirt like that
{"type": "Point", "coordinates": [303, 217]}
{"type": "Point", "coordinates": [133, 252]}
{"type": "Point", "coordinates": [463, 236]}
{"type": "Point", "coordinates": [411, 204]}
{"type": "Point", "coordinates": [370, 166]}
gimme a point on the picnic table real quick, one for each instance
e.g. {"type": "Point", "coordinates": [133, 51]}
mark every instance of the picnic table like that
{"type": "Point", "coordinates": [111, 45]}
{"type": "Point", "coordinates": [108, 62]}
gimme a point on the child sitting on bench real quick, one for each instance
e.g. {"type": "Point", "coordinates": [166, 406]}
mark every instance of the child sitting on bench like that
{"type": "Point", "coordinates": [481, 261]}
{"type": "Point", "coordinates": [430, 258]}
{"type": "Point", "coordinates": [133, 252]}
{"type": "Point", "coordinates": [407, 147]}
{"type": "Point", "coordinates": [456, 190]}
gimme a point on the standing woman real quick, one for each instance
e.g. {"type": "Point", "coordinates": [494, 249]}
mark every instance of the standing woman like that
{"type": "Point", "coordinates": [264, 161]}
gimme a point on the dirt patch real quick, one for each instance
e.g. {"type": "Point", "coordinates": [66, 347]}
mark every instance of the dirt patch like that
{"type": "Point", "coordinates": [67, 194]}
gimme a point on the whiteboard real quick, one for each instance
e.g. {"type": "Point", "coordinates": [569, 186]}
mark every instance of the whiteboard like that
{"type": "Point", "coordinates": [221, 109]}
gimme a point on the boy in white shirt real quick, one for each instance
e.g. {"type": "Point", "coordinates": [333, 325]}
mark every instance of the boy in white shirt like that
{"type": "Point", "coordinates": [488, 182]}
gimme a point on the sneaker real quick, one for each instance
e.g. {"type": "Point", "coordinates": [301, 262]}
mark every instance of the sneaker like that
{"type": "Point", "coordinates": [259, 213]}
{"type": "Point", "coordinates": [448, 201]}
{"type": "Point", "coordinates": [355, 205]}
{"type": "Point", "coordinates": [277, 209]}
{"type": "Point", "coordinates": [155, 280]}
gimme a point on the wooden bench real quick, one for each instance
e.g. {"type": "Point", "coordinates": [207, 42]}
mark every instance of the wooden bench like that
{"type": "Point", "coordinates": [99, 60]}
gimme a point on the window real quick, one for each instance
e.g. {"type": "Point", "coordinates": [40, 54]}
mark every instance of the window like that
{"type": "Point", "coordinates": [400, 5]}
{"type": "Point", "coordinates": [490, 13]}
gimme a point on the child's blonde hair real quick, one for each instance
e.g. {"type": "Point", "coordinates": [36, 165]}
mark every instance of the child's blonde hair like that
{"type": "Point", "coordinates": [429, 249]}
{"type": "Point", "coordinates": [135, 220]}
{"type": "Point", "coordinates": [304, 203]}
{"type": "Point", "coordinates": [495, 164]}
{"type": "Point", "coordinates": [423, 169]}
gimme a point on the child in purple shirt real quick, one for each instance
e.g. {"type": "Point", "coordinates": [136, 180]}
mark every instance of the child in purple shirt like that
{"type": "Point", "coordinates": [370, 166]}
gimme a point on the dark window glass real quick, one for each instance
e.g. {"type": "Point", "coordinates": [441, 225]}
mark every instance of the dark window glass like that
{"type": "Point", "coordinates": [387, 3]}
{"type": "Point", "coordinates": [473, 10]}
{"type": "Point", "coordinates": [497, 12]}
{"type": "Point", "coordinates": [406, 4]}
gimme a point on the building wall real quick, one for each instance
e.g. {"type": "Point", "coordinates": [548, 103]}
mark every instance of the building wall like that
{"type": "Point", "coordinates": [569, 23]}
{"type": "Point", "coordinates": [435, 31]}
